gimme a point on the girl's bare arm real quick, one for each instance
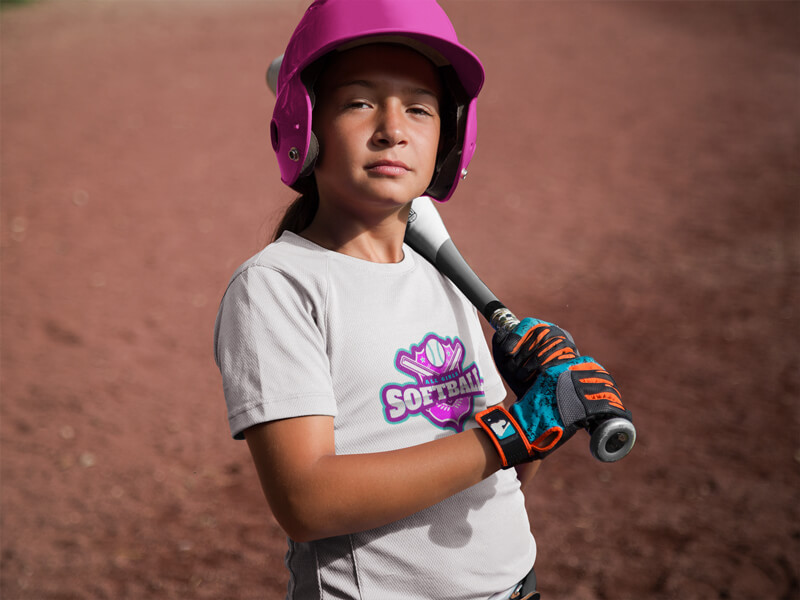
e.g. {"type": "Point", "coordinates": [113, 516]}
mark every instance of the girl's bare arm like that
{"type": "Point", "coordinates": [315, 493]}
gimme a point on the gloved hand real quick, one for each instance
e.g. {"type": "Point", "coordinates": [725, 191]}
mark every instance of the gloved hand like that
{"type": "Point", "coordinates": [531, 347]}
{"type": "Point", "coordinates": [564, 398]}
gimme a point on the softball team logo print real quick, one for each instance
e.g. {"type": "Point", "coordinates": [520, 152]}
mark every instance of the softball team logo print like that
{"type": "Point", "coordinates": [443, 391]}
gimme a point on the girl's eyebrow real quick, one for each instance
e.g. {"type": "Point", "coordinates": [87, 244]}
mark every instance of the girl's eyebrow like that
{"type": "Point", "coordinates": [371, 85]}
{"type": "Point", "coordinates": [361, 82]}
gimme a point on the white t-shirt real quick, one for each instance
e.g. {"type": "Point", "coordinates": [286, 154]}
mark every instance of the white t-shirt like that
{"type": "Point", "coordinates": [396, 354]}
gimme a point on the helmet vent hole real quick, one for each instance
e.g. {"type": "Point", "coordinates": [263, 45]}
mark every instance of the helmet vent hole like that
{"type": "Point", "coordinates": [273, 134]}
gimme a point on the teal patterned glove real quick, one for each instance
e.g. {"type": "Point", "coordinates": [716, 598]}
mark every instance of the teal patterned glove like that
{"type": "Point", "coordinates": [532, 346]}
{"type": "Point", "coordinates": [563, 399]}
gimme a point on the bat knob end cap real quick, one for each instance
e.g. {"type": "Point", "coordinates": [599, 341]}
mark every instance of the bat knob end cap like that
{"type": "Point", "coordinates": [612, 440]}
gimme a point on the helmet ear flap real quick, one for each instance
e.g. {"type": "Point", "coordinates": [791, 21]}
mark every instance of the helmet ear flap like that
{"type": "Point", "coordinates": [311, 157]}
{"type": "Point", "coordinates": [453, 129]}
{"type": "Point", "coordinates": [309, 77]}
{"type": "Point", "coordinates": [291, 122]}
{"type": "Point", "coordinates": [305, 182]}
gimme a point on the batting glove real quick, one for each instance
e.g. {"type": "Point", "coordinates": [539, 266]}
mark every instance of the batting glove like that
{"type": "Point", "coordinates": [531, 347]}
{"type": "Point", "coordinates": [574, 394]}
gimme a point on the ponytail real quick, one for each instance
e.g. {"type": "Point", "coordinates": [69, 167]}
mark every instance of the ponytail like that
{"type": "Point", "coordinates": [300, 213]}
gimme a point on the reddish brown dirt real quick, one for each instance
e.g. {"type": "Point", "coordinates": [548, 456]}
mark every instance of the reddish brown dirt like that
{"type": "Point", "coordinates": [636, 181]}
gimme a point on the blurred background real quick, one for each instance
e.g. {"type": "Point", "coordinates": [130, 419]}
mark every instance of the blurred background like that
{"type": "Point", "coordinates": [636, 181]}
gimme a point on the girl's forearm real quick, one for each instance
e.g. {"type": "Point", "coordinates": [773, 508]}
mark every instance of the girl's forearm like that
{"type": "Point", "coordinates": [341, 494]}
{"type": "Point", "coordinates": [370, 490]}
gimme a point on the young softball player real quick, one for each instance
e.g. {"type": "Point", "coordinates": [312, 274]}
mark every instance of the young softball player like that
{"type": "Point", "coordinates": [359, 375]}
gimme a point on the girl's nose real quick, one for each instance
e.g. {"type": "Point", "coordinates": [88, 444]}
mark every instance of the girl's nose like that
{"type": "Point", "coordinates": [390, 130]}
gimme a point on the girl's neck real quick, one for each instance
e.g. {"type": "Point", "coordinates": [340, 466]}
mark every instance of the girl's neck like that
{"type": "Point", "coordinates": [376, 239]}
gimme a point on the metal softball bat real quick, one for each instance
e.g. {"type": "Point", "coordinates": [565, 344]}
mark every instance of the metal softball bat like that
{"type": "Point", "coordinates": [426, 233]}
{"type": "Point", "coordinates": [272, 73]}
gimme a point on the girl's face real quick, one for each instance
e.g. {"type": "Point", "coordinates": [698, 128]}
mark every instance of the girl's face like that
{"type": "Point", "coordinates": [377, 120]}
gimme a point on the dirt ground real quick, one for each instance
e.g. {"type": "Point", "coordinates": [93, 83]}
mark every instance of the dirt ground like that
{"type": "Point", "coordinates": [636, 181]}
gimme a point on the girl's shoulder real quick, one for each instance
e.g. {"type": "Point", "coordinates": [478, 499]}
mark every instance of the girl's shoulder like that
{"type": "Point", "coordinates": [290, 263]}
{"type": "Point", "coordinates": [284, 284]}
{"type": "Point", "coordinates": [290, 254]}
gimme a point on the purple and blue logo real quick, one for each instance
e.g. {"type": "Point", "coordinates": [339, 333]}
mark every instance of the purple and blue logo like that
{"type": "Point", "coordinates": [443, 391]}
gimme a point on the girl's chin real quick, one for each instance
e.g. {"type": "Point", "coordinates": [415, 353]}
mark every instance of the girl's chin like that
{"type": "Point", "coordinates": [393, 192]}
{"type": "Point", "coordinates": [382, 192]}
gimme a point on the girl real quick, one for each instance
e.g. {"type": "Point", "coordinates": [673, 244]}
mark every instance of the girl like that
{"type": "Point", "coordinates": [353, 369]}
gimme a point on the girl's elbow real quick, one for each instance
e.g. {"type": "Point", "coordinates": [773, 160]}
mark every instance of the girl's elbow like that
{"type": "Point", "coordinates": [304, 532]}
{"type": "Point", "coordinates": [301, 535]}
{"type": "Point", "coordinates": [302, 524]}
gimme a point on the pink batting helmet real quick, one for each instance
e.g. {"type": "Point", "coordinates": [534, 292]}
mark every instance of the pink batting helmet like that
{"type": "Point", "coordinates": [422, 25]}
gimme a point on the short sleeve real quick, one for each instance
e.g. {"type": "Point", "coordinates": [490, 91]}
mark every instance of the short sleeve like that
{"type": "Point", "coordinates": [271, 350]}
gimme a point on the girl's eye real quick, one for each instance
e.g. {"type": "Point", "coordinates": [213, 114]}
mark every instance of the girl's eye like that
{"type": "Point", "coordinates": [419, 110]}
{"type": "Point", "coordinates": [357, 104]}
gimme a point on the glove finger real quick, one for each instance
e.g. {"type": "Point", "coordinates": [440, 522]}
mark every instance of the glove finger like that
{"type": "Point", "coordinates": [527, 330]}
{"type": "Point", "coordinates": [526, 372]}
{"type": "Point", "coordinates": [503, 342]}
{"type": "Point", "coordinates": [598, 388]}
{"type": "Point", "coordinates": [605, 392]}
{"type": "Point", "coordinates": [532, 338]}
{"type": "Point", "coordinates": [556, 350]}
{"type": "Point", "coordinates": [527, 367]}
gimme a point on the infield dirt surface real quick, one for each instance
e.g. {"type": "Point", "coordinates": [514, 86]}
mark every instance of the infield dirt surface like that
{"type": "Point", "coordinates": [636, 181]}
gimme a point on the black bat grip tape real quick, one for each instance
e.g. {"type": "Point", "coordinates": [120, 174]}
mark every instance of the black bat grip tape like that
{"type": "Point", "coordinates": [450, 262]}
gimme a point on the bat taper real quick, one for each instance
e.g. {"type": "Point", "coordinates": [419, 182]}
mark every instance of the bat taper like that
{"type": "Point", "coordinates": [427, 235]}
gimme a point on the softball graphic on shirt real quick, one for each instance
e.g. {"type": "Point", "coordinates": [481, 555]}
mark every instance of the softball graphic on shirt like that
{"type": "Point", "coordinates": [443, 389]}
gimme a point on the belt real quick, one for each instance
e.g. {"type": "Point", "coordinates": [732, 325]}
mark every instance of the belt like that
{"type": "Point", "coordinates": [526, 589]}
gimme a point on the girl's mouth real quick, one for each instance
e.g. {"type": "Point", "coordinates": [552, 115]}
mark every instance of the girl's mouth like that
{"type": "Point", "coordinates": [388, 168]}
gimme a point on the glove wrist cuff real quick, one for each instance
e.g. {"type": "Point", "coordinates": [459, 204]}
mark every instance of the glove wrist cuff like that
{"type": "Point", "coordinates": [506, 435]}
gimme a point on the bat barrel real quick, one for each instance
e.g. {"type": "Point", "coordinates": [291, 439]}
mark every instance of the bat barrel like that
{"type": "Point", "coordinates": [272, 73]}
